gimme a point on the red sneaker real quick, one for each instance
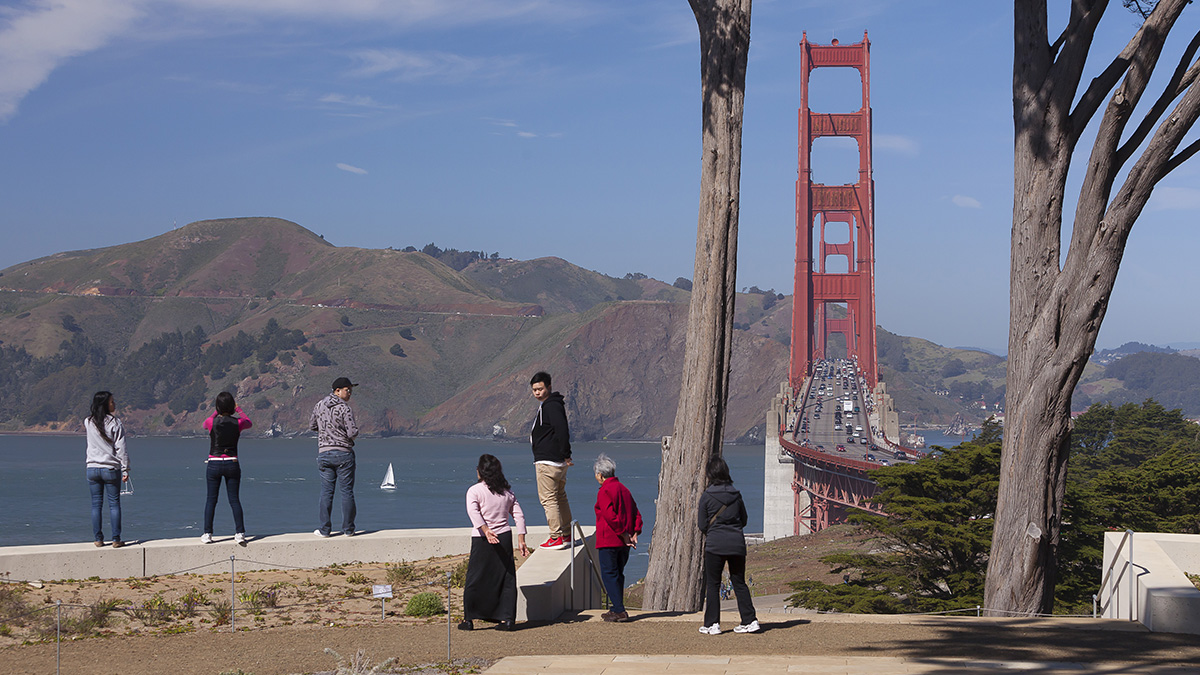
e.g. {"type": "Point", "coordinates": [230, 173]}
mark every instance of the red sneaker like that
{"type": "Point", "coordinates": [553, 544]}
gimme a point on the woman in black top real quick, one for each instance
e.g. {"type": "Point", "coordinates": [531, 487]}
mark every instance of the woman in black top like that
{"type": "Point", "coordinates": [224, 430]}
{"type": "Point", "coordinates": [721, 516]}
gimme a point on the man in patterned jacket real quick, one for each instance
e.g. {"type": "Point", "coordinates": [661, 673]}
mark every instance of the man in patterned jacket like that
{"type": "Point", "coordinates": [333, 420]}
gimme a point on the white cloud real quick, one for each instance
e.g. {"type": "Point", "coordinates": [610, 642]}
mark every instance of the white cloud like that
{"type": "Point", "coordinates": [402, 13]}
{"type": "Point", "coordinates": [1174, 199]}
{"type": "Point", "coordinates": [35, 41]}
{"type": "Point", "coordinates": [351, 169]}
{"type": "Point", "coordinates": [41, 35]}
{"type": "Point", "coordinates": [966, 202]}
{"type": "Point", "coordinates": [526, 134]}
{"type": "Point", "coordinates": [899, 144]}
{"type": "Point", "coordinates": [500, 122]}
{"type": "Point", "coordinates": [408, 66]}
{"type": "Point", "coordinates": [354, 101]}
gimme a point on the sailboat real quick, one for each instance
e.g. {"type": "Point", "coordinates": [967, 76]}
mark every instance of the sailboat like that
{"type": "Point", "coordinates": [389, 479]}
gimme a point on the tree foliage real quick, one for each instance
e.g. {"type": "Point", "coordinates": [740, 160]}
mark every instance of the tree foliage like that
{"type": "Point", "coordinates": [169, 369]}
{"type": "Point", "coordinates": [1136, 467]}
{"type": "Point", "coordinates": [934, 542]}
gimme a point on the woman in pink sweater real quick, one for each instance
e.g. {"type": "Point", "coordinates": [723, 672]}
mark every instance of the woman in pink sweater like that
{"type": "Point", "coordinates": [490, 593]}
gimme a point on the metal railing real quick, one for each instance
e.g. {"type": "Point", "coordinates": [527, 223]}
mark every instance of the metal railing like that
{"type": "Point", "coordinates": [593, 562]}
{"type": "Point", "coordinates": [1111, 583]}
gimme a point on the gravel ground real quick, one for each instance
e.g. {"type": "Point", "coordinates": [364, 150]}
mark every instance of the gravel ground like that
{"type": "Point", "coordinates": [300, 648]}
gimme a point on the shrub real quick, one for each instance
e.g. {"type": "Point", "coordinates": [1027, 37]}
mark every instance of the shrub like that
{"type": "Point", "coordinates": [259, 598]}
{"type": "Point", "coordinates": [76, 623]}
{"type": "Point", "coordinates": [221, 612]}
{"type": "Point", "coordinates": [397, 350]}
{"type": "Point", "coordinates": [458, 578]}
{"type": "Point", "coordinates": [425, 604]}
{"type": "Point", "coordinates": [154, 611]}
{"type": "Point", "coordinates": [190, 601]}
{"type": "Point", "coordinates": [358, 578]}
{"type": "Point", "coordinates": [359, 664]}
{"type": "Point", "coordinates": [399, 573]}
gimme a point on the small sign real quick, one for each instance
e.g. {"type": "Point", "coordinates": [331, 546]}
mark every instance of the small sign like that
{"type": "Point", "coordinates": [381, 591]}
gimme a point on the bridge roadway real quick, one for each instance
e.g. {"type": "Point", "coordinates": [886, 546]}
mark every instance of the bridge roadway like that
{"type": "Point", "coordinates": [833, 454]}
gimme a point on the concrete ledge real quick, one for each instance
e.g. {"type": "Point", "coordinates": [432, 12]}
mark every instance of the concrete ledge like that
{"type": "Point", "coordinates": [173, 556]}
{"type": "Point", "coordinates": [1164, 599]}
{"type": "Point", "coordinates": [544, 589]}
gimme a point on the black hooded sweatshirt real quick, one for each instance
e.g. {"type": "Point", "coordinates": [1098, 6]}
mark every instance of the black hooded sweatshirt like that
{"type": "Point", "coordinates": [725, 534]}
{"type": "Point", "coordinates": [550, 436]}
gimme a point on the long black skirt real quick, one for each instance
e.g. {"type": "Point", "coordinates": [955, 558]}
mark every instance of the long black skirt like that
{"type": "Point", "coordinates": [491, 589]}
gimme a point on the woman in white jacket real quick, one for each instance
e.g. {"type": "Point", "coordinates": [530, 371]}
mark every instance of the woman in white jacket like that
{"type": "Point", "coordinates": [107, 464]}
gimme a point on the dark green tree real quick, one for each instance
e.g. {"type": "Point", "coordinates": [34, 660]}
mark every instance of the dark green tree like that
{"type": "Point", "coordinates": [934, 542]}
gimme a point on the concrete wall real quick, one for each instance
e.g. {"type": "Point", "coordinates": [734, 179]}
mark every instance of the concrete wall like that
{"type": "Point", "coordinates": [543, 581]}
{"type": "Point", "coordinates": [779, 501]}
{"type": "Point", "coordinates": [1163, 598]}
{"type": "Point", "coordinates": [544, 586]}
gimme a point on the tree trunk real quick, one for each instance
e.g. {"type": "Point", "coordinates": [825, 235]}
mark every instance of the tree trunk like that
{"type": "Point", "coordinates": [1055, 314]}
{"type": "Point", "coordinates": [673, 581]}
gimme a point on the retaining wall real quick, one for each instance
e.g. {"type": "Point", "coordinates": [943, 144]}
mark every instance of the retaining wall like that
{"type": "Point", "coordinates": [544, 580]}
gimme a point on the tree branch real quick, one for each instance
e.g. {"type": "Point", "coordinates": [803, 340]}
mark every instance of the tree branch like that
{"type": "Point", "coordinates": [1102, 165]}
{"type": "Point", "coordinates": [1103, 83]}
{"type": "Point", "coordinates": [1181, 157]}
{"type": "Point", "coordinates": [1181, 79]}
{"type": "Point", "coordinates": [1067, 70]}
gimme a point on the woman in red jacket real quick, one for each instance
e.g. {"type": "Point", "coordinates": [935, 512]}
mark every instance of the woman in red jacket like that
{"type": "Point", "coordinates": [618, 525]}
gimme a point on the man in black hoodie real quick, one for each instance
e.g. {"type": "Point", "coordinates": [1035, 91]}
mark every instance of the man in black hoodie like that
{"type": "Point", "coordinates": [551, 440]}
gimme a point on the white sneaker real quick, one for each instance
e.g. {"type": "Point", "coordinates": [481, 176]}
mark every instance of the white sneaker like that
{"type": "Point", "coordinates": [714, 629]}
{"type": "Point", "coordinates": [751, 627]}
{"type": "Point", "coordinates": [206, 538]}
{"type": "Point", "coordinates": [240, 538]}
{"type": "Point", "coordinates": [320, 534]}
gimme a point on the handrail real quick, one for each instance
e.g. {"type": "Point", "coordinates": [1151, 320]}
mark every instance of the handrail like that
{"type": "Point", "coordinates": [577, 529]}
{"type": "Point", "coordinates": [1132, 578]}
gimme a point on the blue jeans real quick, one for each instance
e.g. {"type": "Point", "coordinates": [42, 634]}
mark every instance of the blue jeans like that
{"type": "Point", "coordinates": [337, 468]}
{"type": "Point", "coordinates": [231, 471]}
{"type": "Point", "coordinates": [612, 573]}
{"type": "Point", "coordinates": [101, 481]}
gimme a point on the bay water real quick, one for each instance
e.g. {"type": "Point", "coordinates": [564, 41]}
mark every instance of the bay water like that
{"type": "Point", "coordinates": [47, 501]}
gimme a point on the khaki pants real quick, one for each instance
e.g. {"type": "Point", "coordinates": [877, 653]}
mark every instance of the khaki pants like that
{"type": "Point", "coordinates": [552, 491]}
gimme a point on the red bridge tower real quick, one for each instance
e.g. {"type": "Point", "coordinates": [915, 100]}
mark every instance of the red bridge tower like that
{"type": "Point", "coordinates": [817, 206]}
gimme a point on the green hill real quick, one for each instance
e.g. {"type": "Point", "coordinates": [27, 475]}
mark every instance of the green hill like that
{"type": "Point", "coordinates": [268, 310]}
{"type": "Point", "coordinates": [168, 322]}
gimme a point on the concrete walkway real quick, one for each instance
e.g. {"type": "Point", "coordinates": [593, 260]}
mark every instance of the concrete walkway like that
{"type": "Point", "coordinates": [810, 665]}
{"type": "Point", "coordinates": [826, 644]}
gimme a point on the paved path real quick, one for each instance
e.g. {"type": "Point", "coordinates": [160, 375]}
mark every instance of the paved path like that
{"type": "Point", "coordinates": [844, 644]}
{"type": "Point", "coordinates": [653, 642]}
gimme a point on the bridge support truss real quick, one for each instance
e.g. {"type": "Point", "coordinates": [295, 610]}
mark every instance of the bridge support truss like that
{"type": "Point", "coordinates": [817, 207]}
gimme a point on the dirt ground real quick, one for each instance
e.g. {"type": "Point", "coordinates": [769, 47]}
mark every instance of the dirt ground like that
{"type": "Point", "coordinates": [339, 595]}
{"type": "Point", "coordinates": [148, 630]}
{"type": "Point", "coordinates": [300, 648]}
{"type": "Point", "coordinates": [771, 566]}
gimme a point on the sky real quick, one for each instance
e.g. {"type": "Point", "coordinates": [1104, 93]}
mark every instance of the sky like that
{"type": "Point", "coordinates": [533, 128]}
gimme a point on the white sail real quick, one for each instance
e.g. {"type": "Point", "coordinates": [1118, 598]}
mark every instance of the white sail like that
{"type": "Point", "coordinates": [389, 479]}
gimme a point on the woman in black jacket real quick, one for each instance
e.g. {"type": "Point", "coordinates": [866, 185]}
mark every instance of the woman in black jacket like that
{"type": "Point", "coordinates": [721, 516]}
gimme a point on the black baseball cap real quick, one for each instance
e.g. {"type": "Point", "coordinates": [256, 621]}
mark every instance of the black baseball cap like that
{"type": "Point", "coordinates": [343, 382]}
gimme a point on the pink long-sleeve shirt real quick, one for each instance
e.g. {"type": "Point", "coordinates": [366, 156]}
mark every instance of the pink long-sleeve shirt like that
{"type": "Point", "coordinates": [485, 507]}
{"type": "Point", "coordinates": [244, 423]}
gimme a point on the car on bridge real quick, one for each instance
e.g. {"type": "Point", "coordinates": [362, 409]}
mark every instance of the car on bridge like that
{"type": "Point", "coordinates": [841, 448]}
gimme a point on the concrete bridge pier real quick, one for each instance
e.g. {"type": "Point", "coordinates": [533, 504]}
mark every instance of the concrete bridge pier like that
{"type": "Point", "coordinates": [780, 502]}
